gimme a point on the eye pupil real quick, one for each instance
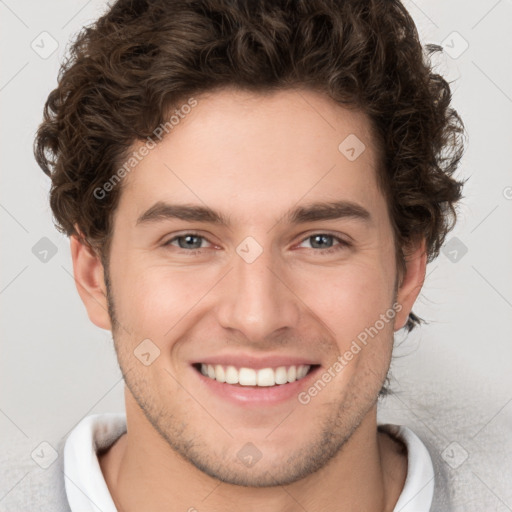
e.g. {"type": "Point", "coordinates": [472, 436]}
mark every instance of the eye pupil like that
{"type": "Point", "coordinates": [189, 242]}
{"type": "Point", "coordinates": [324, 239]}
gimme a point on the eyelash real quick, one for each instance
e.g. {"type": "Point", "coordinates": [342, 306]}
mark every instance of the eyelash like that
{"type": "Point", "coordinates": [341, 245]}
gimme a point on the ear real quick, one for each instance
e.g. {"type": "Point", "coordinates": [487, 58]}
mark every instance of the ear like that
{"type": "Point", "coordinates": [88, 272]}
{"type": "Point", "coordinates": [412, 281]}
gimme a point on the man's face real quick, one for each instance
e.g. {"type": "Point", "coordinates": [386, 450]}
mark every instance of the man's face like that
{"type": "Point", "coordinates": [264, 291]}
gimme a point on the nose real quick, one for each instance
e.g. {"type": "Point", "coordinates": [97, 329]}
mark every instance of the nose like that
{"type": "Point", "coordinates": [256, 298]}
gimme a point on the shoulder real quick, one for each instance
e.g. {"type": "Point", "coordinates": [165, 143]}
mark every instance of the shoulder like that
{"type": "Point", "coordinates": [32, 476]}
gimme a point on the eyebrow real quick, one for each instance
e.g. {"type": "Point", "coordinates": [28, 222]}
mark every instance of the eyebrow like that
{"type": "Point", "coordinates": [308, 213]}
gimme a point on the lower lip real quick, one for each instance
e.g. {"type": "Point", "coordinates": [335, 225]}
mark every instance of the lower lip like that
{"type": "Point", "coordinates": [257, 395]}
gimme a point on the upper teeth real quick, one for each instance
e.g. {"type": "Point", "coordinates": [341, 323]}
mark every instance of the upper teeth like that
{"type": "Point", "coordinates": [252, 377]}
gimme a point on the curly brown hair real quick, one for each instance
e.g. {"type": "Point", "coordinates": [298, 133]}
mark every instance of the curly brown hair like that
{"type": "Point", "coordinates": [129, 69]}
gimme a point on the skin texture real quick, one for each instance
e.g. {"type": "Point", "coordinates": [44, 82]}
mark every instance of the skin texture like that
{"type": "Point", "coordinates": [252, 157]}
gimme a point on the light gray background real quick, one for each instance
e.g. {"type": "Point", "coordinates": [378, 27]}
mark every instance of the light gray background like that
{"type": "Point", "coordinates": [452, 377]}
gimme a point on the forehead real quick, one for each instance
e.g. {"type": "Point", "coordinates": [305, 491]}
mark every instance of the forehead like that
{"type": "Point", "coordinates": [249, 153]}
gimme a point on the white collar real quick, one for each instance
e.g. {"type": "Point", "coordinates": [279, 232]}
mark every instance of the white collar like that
{"type": "Point", "coordinates": [418, 491]}
{"type": "Point", "coordinates": [87, 490]}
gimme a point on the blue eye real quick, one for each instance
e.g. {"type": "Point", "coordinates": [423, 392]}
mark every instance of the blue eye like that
{"type": "Point", "coordinates": [325, 239]}
{"type": "Point", "coordinates": [322, 243]}
{"type": "Point", "coordinates": [187, 241]}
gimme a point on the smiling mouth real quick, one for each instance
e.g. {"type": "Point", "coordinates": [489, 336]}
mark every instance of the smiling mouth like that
{"type": "Point", "coordinates": [262, 377]}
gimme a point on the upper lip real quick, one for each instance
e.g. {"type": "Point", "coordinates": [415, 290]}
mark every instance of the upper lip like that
{"type": "Point", "coordinates": [246, 361]}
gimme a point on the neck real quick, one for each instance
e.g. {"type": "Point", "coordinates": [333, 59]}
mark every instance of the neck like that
{"type": "Point", "coordinates": [143, 472]}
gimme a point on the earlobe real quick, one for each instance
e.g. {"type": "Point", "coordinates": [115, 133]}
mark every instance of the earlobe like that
{"type": "Point", "coordinates": [412, 282]}
{"type": "Point", "coordinates": [89, 280]}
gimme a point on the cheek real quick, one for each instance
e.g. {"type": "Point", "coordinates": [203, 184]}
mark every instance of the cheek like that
{"type": "Point", "coordinates": [151, 300]}
{"type": "Point", "coordinates": [348, 299]}
{"type": "Point", "coordinates": [351, 304]}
